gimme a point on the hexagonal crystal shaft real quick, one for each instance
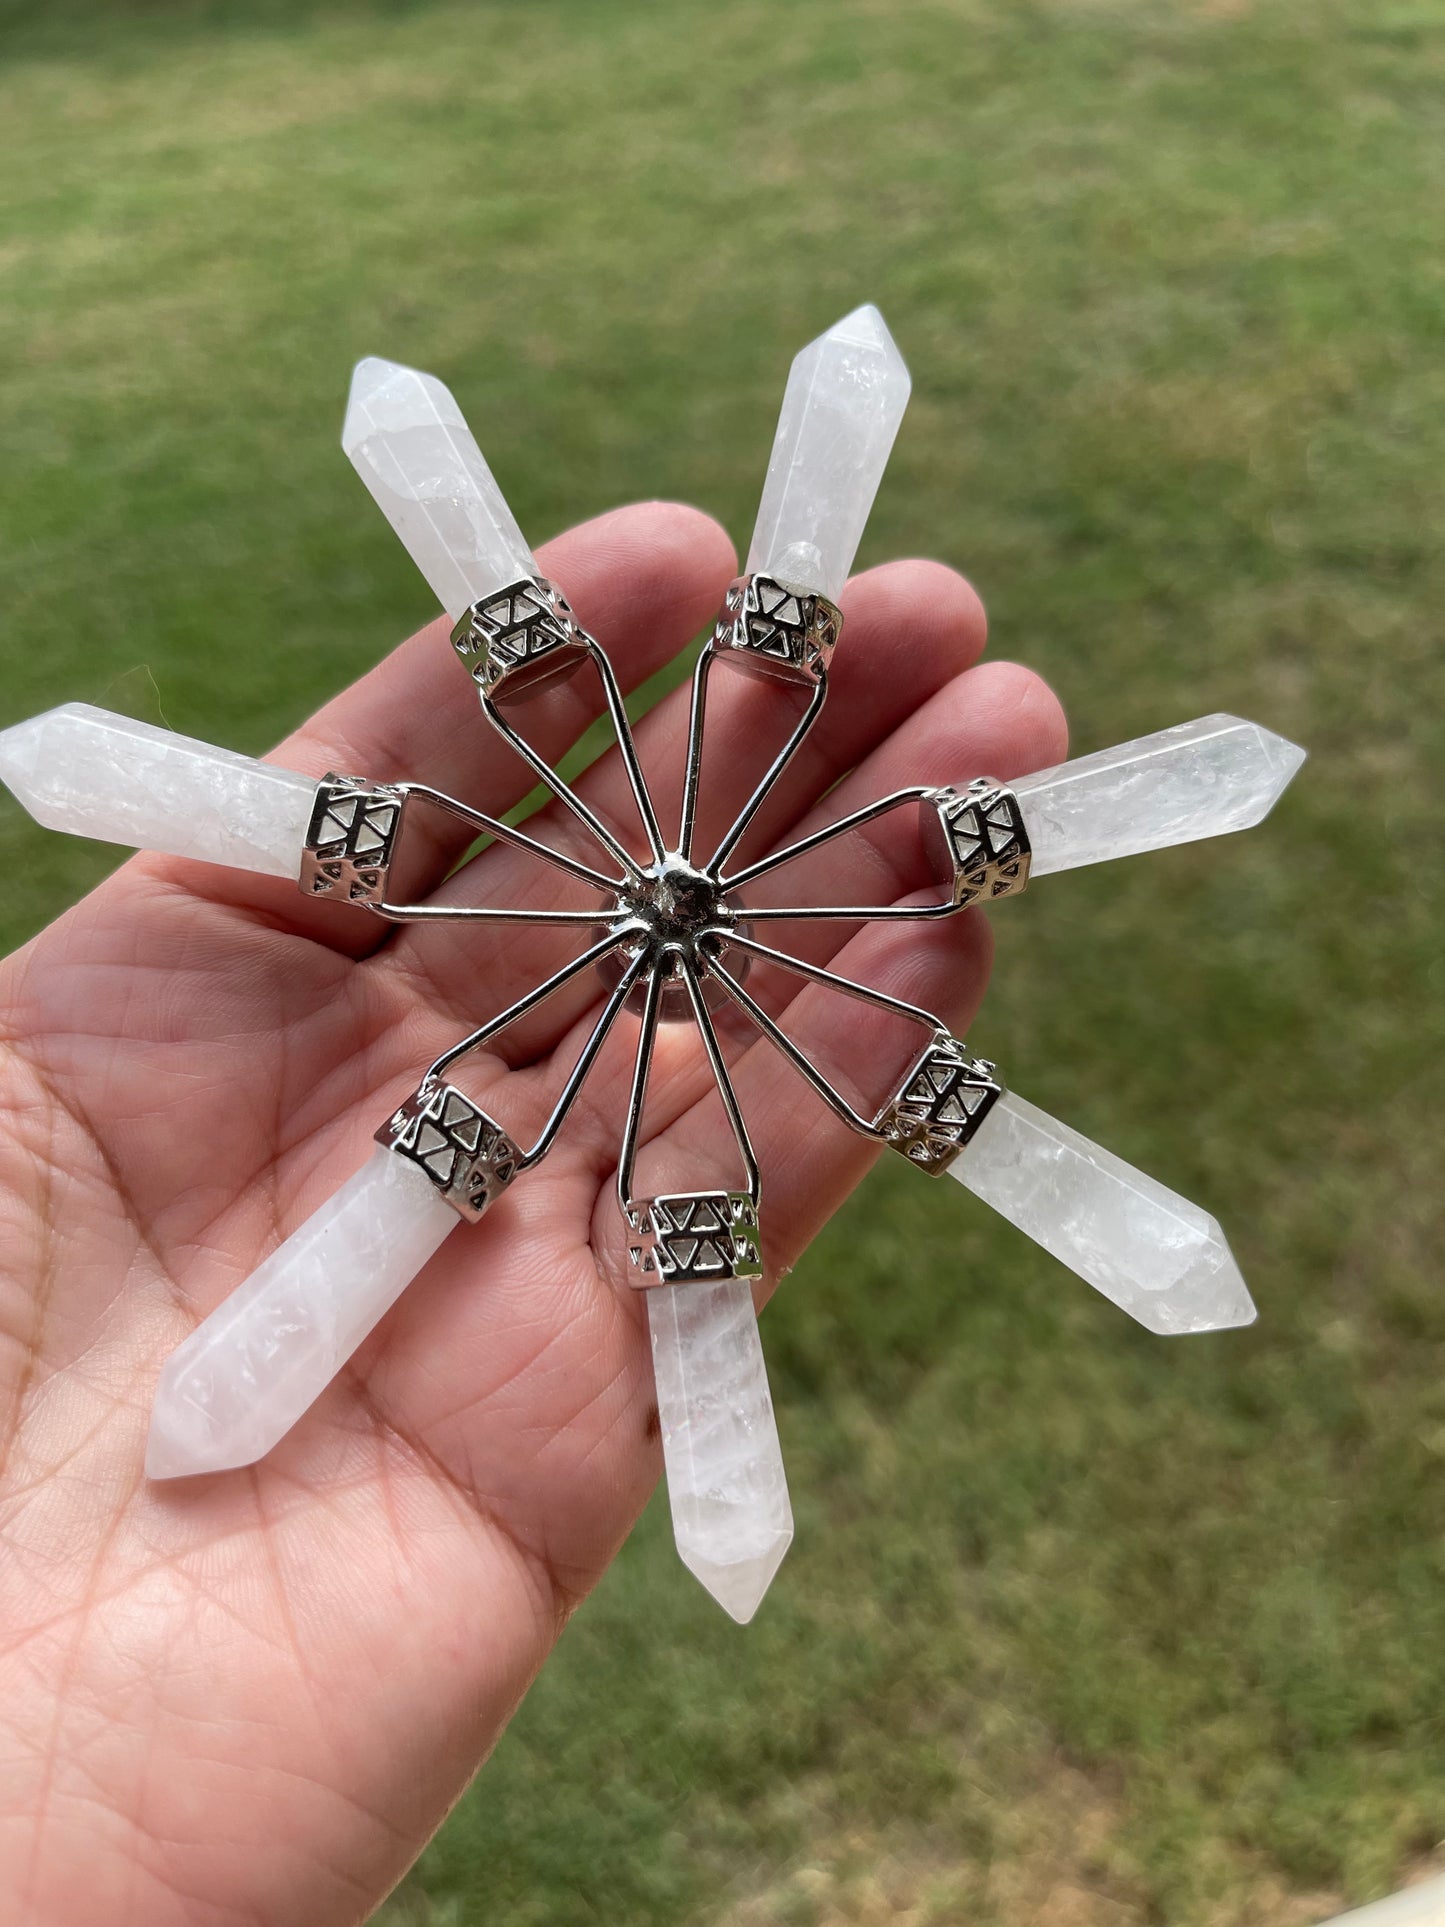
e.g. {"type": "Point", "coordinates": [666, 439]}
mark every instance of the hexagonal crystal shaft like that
{"type": "Point", "coordinates": [248, 1372]}
{"type": "Point", "coordinates": [94, 774]}
{"type": "Point", "coordinates": [1200, 779]}
{"type": "Point", "coordinates": [845, 397]}
{"type": "Point", "coordinates": [410, 444]}
{"type": "Point", "coordinates": [731, 1516]}
{"type": "Point", "coordinates": [1158, 1257]}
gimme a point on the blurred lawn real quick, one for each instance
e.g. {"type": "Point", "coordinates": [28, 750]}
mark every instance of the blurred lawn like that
{"type": "Point", "coordinates": [1081, 1628]}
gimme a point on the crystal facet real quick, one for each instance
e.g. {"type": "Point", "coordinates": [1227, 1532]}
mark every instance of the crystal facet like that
{"type": "Point", "coordinates": [1200, 779]}
{"type": "Point", "coordinates": [845, 397]}
{"type": "Point", "coordinates": [1158, 1257]}
{"type": "Point", "coordinates": [94, 774]}
{"type": "Point", "coordinates": [248, 1372]}
{"type": "Point", "coordinates": [410, 444]}
{"type": "Point", "coordinates": [730, 1512]}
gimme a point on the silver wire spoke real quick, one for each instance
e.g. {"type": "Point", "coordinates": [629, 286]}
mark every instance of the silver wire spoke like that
{"type": "Point", "coordinates": [780, 762]}
{"type": "Point", "coordinates": [692, 767]}
{"type": "Point", "coordinates": [914, 794]}
{"type": "Point", "coordinates": [505, 833]}
{"type": "Point", "coordinates": [855, 912]}
{"type": "Point", "coordinates": [642, 796]}
{"type": "Point", "coordinates": [776, 1036]}
{"type": "Point", "coordinates": [581, 1069]}
{"type": "Point", "coordinates": [646, 1040]}
{"type": "Point", "coordinates": [561, 789]}
{"type": "Point", "coordinates": [537, 995]}
{"type": "Point", "coordinates": [481, 913]}
{"type": "Point", "coordinates": [708, 1032]}
{"type": "Point", "coordinates": [815, 973]}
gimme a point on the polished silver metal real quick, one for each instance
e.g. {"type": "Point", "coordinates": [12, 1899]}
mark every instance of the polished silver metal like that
{"type": "Point", "coordinates": [937, 1109]}
{"type": "Point", "coordinates": [939, 1104]}
{"type": "Point", "coordinates": [522, 636]}
{"type": "Point", "coordinates": [517, 640]}
{"type": "Point", "coordinates": [974, 839]}
{"type": "Point", "coordinates": [779, 629]}
{"type": "Point", "coordinates": [693, 1238]}
{"type": "Point", "coordinates": [979, 834]}
{"type": "Point", "coordinates": [677, 913]}
{"type": "Point", "coordinates": [775, 630]}
{"type": "Point", "coordinates": [688, 1237]}
{"type": "Point", "coordinates": [350, 839]}
{"type": "Point", "coordinates": [466, 1154]}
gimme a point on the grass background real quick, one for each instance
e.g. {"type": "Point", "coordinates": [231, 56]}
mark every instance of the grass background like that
{"type": "Point", "coordinates": [1080, 1627]}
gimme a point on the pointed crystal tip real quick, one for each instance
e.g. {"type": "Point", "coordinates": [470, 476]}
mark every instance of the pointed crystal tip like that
{"type": "Point", "coordinates": [1154, 1254]}
{"type": "Point", "coordinates": [387, 397]}
{"type": "Point", "coordinates": [84, 771]}
{"type": "Point", "coordinates": [1206, 1293]}
{"type": "Point", "coordinates": [865, 328]}
{"type": "Point", "coordinates": [739, 1587]}
{"type": "Point", "coordinates": [210, 1416]}
{"type": "Point", "coordinates": [1206, 778]}
{"type": "Point", "coordinates": [845, 397]}
{"type": "Point", "coordinates": [174, 1452]}
{"type": "Point", "coordinates": [409, 442]}
{"type": "Point", "coordinates": [1282, 758]}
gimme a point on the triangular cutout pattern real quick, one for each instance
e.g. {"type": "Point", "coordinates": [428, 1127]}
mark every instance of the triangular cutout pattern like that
{"type": "Point", "coordinates": [984, 830]}
{"type": "Point", "coordinates": [464, 1152]}
{"type": "Point", "coordinates": [767, 618]}
{"type": "Point", "coordinates": [519, 624]}
{"type": "Point", "coordinates": [695, 1237]}
{"type": "Point", "coordinates": [940, 1105]}
{"type": "Point", "coordinates": [349, 844]}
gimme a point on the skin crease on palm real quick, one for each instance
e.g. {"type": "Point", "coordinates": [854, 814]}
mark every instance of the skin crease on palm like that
{"type": "Point", "coordinates": [251, 1698]}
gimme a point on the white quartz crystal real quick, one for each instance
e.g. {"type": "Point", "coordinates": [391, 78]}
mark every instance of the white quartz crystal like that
{"type": "Point", "coordinates": [730, 1512]}
{"type": "Point", "coordinates": [84, 770]}
{"type": "Point", "coordinates": [845, 397]}
{"type": "Point", "coordinates": [410, 444]}
{"type": "Point", "coordinates": [1157, 1256]}
{"type": "Point", "coordinates": [1200, 779]}
{"type": "Point", "coordinates": [247, 1373]}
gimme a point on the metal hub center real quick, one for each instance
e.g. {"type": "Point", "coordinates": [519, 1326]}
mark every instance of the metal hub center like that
{"type": "Point", "coordinates": [677, 902]}
{"type": "Point", "coordinates": [672, 910]}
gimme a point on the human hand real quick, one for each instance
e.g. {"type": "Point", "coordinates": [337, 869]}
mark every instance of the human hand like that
{"type": "Point", "coordinates": [251, 1697]}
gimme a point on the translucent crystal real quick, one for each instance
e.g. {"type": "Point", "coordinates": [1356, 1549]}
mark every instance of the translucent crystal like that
{"type": "Point", "coordinates": [845, 397]}
{"type": "Point", "coordinates": [94, 774]}
{"type": "Point", "coordinates": [730, 1512]}
{"type": "Point", "coordinates": [247, 1373]}
{"type": "Point", "coordinates": [1199, 779]}
{"type": "Point", "coordinates": [410, 444]}
{"type": "Point", "coordinates": [1157, 1256]}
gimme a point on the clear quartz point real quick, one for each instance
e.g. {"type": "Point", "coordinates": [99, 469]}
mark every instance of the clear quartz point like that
{"type": "Point", "coordinates": [1200, 779]}
{"type": "Point", "coordinates": [410, 444]}
{"type": "Point", "coordinates": [1158, 1257]}
{"type": "Point", "coordinates": [247, 1373]}
{"type": "Point", "coordinates": [845, 397]}
{"type": "Point", "coordinates": [725, 1482]}
{"type": "Point", "coordinates": [95, 774]}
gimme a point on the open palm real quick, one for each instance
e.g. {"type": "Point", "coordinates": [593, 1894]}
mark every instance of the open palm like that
{"type": "Point", "coordinates": [251, 1697]}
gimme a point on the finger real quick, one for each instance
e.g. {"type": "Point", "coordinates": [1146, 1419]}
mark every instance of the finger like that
{"type": "Point", "coordinates": [911, 627]}
{"type": "Point", "coordinates": [643, 579]}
